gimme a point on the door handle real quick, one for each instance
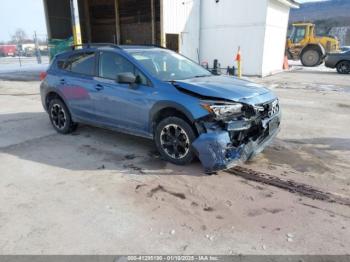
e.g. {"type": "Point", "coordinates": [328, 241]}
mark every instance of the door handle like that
{"type": "Point", "coordinates": [99, 87]}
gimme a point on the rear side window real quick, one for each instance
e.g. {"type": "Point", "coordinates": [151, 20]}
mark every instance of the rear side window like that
{"type": "Point", "coordinates": [82, 63]}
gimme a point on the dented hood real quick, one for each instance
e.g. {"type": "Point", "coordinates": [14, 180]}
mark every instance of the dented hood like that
{"type": "Point", "coordinates": [224, 87]}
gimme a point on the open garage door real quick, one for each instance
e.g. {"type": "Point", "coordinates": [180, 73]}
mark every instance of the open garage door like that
{"type": "Point", "coordinates": [109, 21]}
{"type": "Point", "coordinates": [139, 21]}
{"type": "Point", "coordinates": [120, 21]}
{"type": "Point", "coordinates": [103, 22]}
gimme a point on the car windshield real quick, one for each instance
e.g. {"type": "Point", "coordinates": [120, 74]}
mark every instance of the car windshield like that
{"type": "Point", "coordinates": [169, 66]}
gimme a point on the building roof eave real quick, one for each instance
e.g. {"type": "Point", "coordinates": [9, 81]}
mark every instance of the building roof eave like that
{"type": "Point", "coordinates": [290, 3]}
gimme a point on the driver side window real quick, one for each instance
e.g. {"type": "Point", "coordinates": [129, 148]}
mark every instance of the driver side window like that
{"type": "Point", "coordinates": [111, 65]}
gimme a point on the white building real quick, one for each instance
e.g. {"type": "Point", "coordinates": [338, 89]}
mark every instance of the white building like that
{"type": "Point", "coordinates": [214, 29]}
{"type": "Point", "coordinates": [203, 30]}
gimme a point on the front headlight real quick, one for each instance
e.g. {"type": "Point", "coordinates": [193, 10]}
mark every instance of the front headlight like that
{"type": "Point", "coordinates": [222, 111]}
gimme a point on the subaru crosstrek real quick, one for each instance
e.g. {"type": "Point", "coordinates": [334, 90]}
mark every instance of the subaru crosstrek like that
{"type": "Point", "coordinates": [158, 94]}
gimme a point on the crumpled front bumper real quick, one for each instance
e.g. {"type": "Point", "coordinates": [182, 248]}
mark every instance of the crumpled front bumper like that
{"type": "Point", "coordinates": [215, 151]}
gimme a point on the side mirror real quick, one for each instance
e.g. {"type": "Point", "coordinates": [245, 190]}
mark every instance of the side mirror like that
{"type": "Point", "coordinates": [126, 78]}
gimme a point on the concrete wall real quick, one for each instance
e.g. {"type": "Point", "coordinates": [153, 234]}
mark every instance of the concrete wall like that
{"type": "Point", "coordinates": [259, 27]}
{"type": "Point", "coordinates": [232, 23]}
{"type": "Point", "coordinates": [183, 17]}
{"type": "Point", "coordinates": [275, 37]}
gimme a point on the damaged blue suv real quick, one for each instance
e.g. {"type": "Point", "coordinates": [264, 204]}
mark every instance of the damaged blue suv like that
{"type": "Point", "coordinates": [156, 93]}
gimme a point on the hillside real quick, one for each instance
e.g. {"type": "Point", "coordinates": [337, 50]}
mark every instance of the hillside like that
{"type": "Point", "coordinates": [330, 16]}
{"type": "Point", "coordinates": [321, 10]}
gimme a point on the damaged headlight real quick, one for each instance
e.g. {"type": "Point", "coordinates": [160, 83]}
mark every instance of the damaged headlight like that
{"type": "Point", "coordinates": [222, 111]}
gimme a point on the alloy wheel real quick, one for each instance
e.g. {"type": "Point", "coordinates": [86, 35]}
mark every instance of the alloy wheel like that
{"type": "Point", "coordinates": [344, 67]}
{"type": "Point", "coordinates": [175, 141]}
{"type": "Point", "coordinates": [58, 116]}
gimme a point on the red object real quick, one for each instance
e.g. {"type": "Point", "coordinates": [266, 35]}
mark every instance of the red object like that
{"type": "Point", "coordinates": [8, 50]}
{"type": "Point", "coordinates": [75, 92]}
{"type": "Point", "coordinates": [42, 75]}
{"type": "Point", "coordinates": [238, 56]}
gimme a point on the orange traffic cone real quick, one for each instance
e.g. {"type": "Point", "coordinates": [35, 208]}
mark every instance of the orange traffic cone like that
{"type": "Point", "coordinates": [285, 63]}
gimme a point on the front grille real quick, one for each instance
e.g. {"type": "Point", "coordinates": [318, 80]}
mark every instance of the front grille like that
{"type": "Point", "coordinates": [269, 109]}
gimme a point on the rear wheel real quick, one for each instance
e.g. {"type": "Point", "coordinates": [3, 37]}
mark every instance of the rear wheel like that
{"type": "Point", "coordinates": [343, 67]}
{"type": "Point", "coordinates": [173, 138]}
{"type": "Point", "coordinates": [311, 57]}
{"type": "Point", "coordinates": [60, 117]}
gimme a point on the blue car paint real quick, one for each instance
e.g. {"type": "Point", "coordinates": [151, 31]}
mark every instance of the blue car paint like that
{"type": "Point", "coordinates": [105, 103]}
{"type": "Point", "coordinates": [216, 153]}
{"type": "Point", "coordinates": [223, 87]}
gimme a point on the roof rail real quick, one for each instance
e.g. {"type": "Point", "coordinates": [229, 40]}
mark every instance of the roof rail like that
{"type": "Point", "coordinates": [89, 45]}
{"type": "Point", "coordinates": [152, 45]}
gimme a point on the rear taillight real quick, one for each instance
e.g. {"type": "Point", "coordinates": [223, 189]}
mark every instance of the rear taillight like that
{"type": "Point", "coordinates": [43, 75]}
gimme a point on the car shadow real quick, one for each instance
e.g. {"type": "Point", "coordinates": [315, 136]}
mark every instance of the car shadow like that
{"type": "Point", "coordinates": [30, 136]}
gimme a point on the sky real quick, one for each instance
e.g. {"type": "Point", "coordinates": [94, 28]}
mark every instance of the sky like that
{"type": "Point", "coordinates": [28, 15]}
{"type": "Point", "coordinates": [25, 14]}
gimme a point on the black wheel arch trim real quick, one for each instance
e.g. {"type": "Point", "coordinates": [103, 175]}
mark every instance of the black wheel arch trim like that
{"type": "Point", "coordinates": [320, 48]}
{"type": "Point", "coordinates": [340, 61]}
{"type": "Point", "coordinates": [60, 96]}
{"type": "Point", "coordinates": [171, 105]}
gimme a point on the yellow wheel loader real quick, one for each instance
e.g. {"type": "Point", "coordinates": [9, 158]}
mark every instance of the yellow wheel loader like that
{"type": "Point", "coordinates": [303, 44]}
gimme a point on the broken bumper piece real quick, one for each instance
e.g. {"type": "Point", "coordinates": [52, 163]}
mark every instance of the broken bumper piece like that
{"type": "Point", "coordinates": [215, 151]}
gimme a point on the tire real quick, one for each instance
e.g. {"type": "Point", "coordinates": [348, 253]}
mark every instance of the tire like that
{"type": "Point", "coordinates": [60, 117]}
{"type": "Point", "coordinates": [343, 67]}
{"type": "Point", "coordinates": [311, 57]}
{"type": "Point", "coordinates": [171, 133]}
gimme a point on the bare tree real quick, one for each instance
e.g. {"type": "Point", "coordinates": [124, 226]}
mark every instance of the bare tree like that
{"type": "Point", "coordinates": [19, 36]}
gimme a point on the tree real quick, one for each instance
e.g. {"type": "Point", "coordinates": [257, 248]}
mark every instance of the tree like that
{"type": "Point", "coordinates": [19, 36]}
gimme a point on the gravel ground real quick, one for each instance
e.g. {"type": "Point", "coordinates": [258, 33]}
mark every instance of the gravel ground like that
{"type": "Point", "coordinates": [100, 192]}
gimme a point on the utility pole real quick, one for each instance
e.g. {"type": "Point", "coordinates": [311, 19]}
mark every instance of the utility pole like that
{"type": "Point", "coordinates": [19, 53]}
{"type": "Point", "coordinates": [37, 49]}
{"type": "Point", "coordinates": [75, 22]}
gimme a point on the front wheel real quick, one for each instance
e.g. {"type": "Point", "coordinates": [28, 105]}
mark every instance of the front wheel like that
{"type": "Point", "coordinates": [343, 67]}
{"type": "Point", "coordinates": [173, 138]}
{"type": "Point", "coordinates": [311, 57]}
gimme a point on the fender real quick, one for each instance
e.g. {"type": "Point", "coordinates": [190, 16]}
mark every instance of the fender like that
{"type": "Point", "coordinates": [51, 90]}
{"type": "Point", "coordinates": [318, 46]}
{"type": "Point", "coordinates": [168, 104]}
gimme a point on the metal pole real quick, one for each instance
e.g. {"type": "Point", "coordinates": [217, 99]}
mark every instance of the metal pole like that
{"type": "Point", "coordinates": [153, 23]}
{"type": "Point", "coordinates": [117, 21]}
{"type": "Point", "coordinates": [37, 49]}
{"type": "Point", "coordinates": [239, 62]}
{"type": "Point", "coordinates": [75, 22]}
{"type": "Point", "coordinates": [162, 34]}
{"type": "Point", "coordinates": [87, 20]}
{"type": "Point", "coordinates": [19, 53]}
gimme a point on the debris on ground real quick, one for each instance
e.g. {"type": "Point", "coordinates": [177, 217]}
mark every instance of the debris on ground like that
{"type": "Point", "coordinates": [290, 237]}
{"type": "Point", "coordinates": [130, 157]}
{"type": "Point", "coordinates": [101, 167]}
{"type": "Point", "coordinates": [162, 189]}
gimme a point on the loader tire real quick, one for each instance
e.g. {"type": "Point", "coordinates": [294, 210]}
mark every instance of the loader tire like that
{"type": "Point", "coordinates": [311, 57]}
